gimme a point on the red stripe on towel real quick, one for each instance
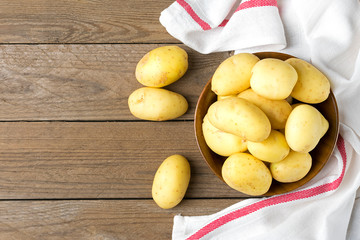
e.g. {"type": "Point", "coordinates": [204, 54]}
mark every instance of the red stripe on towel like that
{"type": "Point", "coordinates": [204, 25]}
{"type": "Point", "coordinates": [303, 194]}
{"type": "Point", "coordinates": [256, 3]}
{"type": "Point", "coordinates": [223, 23]}
{"type": "Point", "coordinates": [251, 4]}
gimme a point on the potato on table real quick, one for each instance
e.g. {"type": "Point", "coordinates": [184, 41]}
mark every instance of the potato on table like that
{"type": "Point", "coordinates": [162, 66]}
{"type": "Point", "coordinates": [171, 181]}
{"type": "Point", "coordinates": [156, 104]}
{"type": "Point", "coordinates": [233, 75]}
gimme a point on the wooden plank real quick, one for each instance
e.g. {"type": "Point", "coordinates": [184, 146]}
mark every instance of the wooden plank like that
{"type": "Point", "coordinates": [97, 159]}
{"type": "Point", "coordinates": [85, 82]}
{"type": "Point", "coordinates": [99, 219]}
{"type": "Point", "coordinates": [85, 21]}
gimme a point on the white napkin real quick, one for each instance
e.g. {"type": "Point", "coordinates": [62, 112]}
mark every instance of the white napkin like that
{"type": "Point", "coordinates": [324, 32]}
{"type": "Point", "coordinates": [223, 25]}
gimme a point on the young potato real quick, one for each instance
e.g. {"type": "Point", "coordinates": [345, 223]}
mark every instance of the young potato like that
{"type": "Point", "coordinates": [221, 142]}
{"type": "Point", "coordinates": [312, 85]}
{"type": "Point", "coordinates": [273, 78]}
{"type": "Point", "coordinates": [240, 117]}
{"type": "Point", "coordinates": [156, 104]}
{"type": "Point", "coordinates": [293, 168]}
{"type": "Point", "coordinates": [247, 174]}
{"type": "Point", "coordinates": [272, 149]}
{"type": "Point", "coordinates": [162, 66]}
{"type": "Point", "coordinates": [276, 110]}
{"type": "Point", "coordinates": [171, 181]}
{"type": "Point", "coordinates": [233, 75]}
{"type": "Point", "coordinates": [304, 128]}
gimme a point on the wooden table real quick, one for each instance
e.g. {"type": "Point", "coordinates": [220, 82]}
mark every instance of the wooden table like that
{"type": "Point", "coordinates": [74, 163]}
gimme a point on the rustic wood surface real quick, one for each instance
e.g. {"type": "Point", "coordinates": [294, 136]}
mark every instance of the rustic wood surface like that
{"type": "Point", "coordinates": [66, 160]}
{"type": "Point", "coordinates": [83, 21]}
{"type": "Point", "coordinates": [85, 82]}
{"type": "Point", "coordinates": [74, 163]}
{"type": "Point", "coordinates": [97, 219]}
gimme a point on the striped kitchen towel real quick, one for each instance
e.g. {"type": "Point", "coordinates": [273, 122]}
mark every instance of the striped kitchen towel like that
{"type": "Point", "coordinates": [222, 25]}
{"type": "Point", "coordinates": [320, 210]}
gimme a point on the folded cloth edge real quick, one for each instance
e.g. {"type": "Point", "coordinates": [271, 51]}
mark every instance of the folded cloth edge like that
{"type": "Point", "coordinates": [250, 206]}
{"type": "Point", "coordinates": [198, 35]}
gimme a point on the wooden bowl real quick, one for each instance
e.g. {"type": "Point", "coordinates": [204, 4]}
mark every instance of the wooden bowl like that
{"type": "Point", "coordinates": [320, 154]}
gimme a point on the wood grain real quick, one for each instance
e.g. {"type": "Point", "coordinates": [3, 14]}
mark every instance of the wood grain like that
{"type": "Point", "coordinates": [83, 21]}
{"type": "Point", "coordinates": [85, 82]}
{"type": "Point", "coordinates": [66, 134]}
{"type": "Point", "coordinates": [97, 219]}
{"type": "Point", "coordinates": [46, 160]}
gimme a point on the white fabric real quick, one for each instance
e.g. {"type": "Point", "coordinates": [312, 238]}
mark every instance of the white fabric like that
{"type": "Point", "coordinates": [248, 29]}
{"type": "Point", "coordinates": [324, 216]}
{"type": "Point", "coordinates": [324, 32]}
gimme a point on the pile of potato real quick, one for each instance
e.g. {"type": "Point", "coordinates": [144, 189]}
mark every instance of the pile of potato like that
{"type": "Point", "coordinates": [159, 68]}
{"type": "Point", "coordinates": [255, 126]}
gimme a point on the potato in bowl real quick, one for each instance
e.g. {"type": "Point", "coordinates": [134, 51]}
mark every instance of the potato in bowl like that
{"type": "Point", "coordinates": [319, 154]}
